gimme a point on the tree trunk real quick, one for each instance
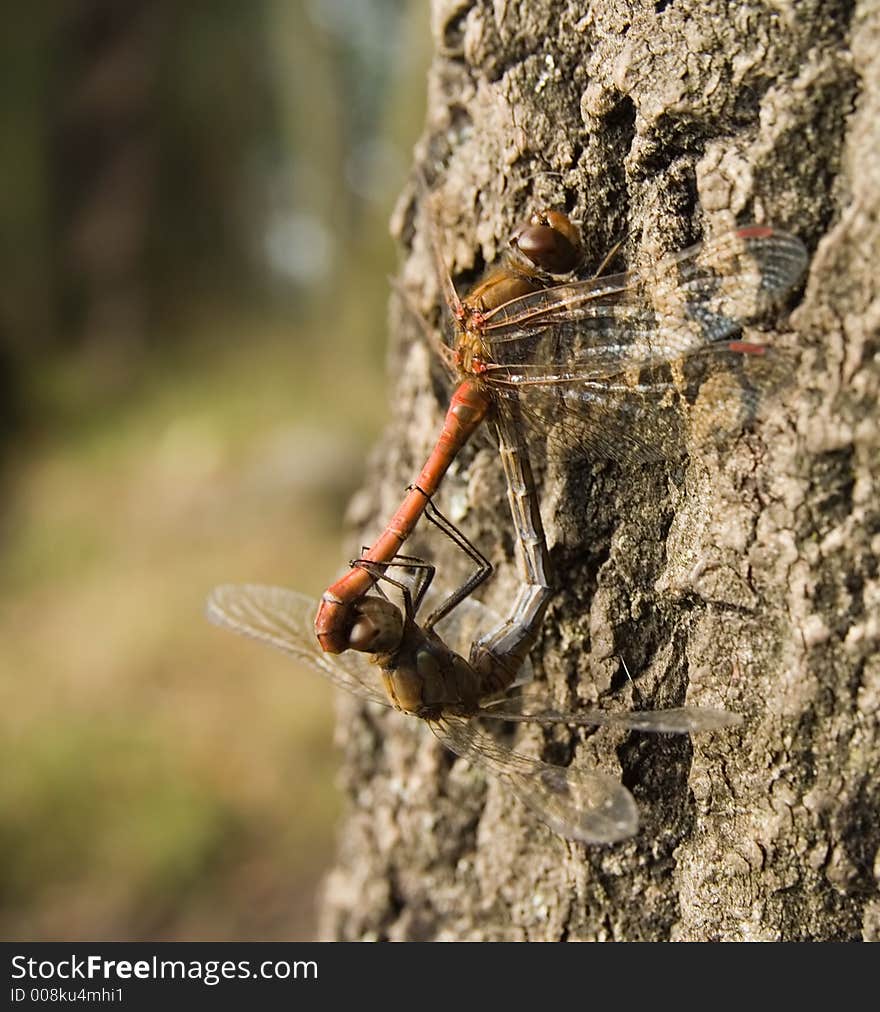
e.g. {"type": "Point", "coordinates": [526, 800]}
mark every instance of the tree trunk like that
{"type": "Point", "coordinates": [748, 580]}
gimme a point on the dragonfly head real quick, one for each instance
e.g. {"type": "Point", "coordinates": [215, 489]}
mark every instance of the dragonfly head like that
{"type": "Point", "coordinates": [377, 627]}
{"type": "Point", "coordinates": [549, 241]}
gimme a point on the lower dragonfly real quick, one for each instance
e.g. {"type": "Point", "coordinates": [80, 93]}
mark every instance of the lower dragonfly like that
{"type": "Point", "coordinates": [408, 666]}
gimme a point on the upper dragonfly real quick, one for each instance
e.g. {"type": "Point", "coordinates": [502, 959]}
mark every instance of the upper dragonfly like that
{"type": "Point", "coordinates": [632, 366]}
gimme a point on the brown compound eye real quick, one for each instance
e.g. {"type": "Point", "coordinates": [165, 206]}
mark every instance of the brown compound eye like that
{"type": "Point", "coordinates": [550, 241]}
{"type": "Point", "coordinates": [377, 626]}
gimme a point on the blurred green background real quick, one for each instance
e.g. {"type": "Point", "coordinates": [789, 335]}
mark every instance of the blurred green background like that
{"type": "Point", "coordinates": [192, 330]}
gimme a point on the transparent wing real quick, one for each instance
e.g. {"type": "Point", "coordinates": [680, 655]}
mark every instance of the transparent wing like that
{"type": "Point", "coordinates": [576, 803]}
{"type": "Point", "coordinates": [284, 619]}
{"type": "Point", "coordinates": [656, 414]}
{"type": "Point", "coordinates": [642, 365]}
{"type": "Point", "coordinates": [738, 277]}
{"type": "Point", "coordinates": [534, 708]}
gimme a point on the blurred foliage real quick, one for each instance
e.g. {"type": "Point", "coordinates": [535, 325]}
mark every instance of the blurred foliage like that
{"type": "Point", "coordinates": [195, 199]}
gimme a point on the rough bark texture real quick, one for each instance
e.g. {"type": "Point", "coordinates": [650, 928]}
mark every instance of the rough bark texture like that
{"type": "Point", "coordinates": [748, 580]}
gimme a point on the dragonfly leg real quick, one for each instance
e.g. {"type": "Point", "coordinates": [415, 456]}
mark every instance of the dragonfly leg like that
{"type": "Point", "coordinates": [412, 595]}
{"type": "Point", "coordinates": [422, 582]}
{"type": "Point", "coordinates": [434, 516]}
{"type": "Point", "coordinates": [609, 256]}
{"type": "Point", "coordinates": [484, 567]}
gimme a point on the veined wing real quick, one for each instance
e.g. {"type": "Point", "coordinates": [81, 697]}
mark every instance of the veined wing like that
{"type": "Point", "coordinates": [534, 708]}
{"type": "Point", "coordinates": [284, 619]}
{"type": "Point", "coordinates": [689, 299]}
{"type": "Point", "coordinates": [638, 366]}
{"type": "Point", "coordinates": [578, 804]}
{"type": "Point", "coordinates": [654, 414]}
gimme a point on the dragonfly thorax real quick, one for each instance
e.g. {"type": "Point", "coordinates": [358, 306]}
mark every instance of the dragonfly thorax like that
{"type": "Point", "coordinates": [501, 285]}
{"type": "Point", "coordinates": [425, 678]}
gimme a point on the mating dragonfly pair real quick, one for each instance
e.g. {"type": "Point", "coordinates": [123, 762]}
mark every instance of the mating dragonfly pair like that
{"type": "Point", "coordinates": [632, 366]}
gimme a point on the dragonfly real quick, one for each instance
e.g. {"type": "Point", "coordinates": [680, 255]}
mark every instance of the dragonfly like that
{"type": "Point", "coordinates": [399, 663]}
{"type": "Point", "coordinates": [631, 367]}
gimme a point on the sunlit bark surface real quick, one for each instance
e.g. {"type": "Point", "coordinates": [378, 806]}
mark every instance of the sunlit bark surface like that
{"type": "Point", "coordinates": [745, 578]}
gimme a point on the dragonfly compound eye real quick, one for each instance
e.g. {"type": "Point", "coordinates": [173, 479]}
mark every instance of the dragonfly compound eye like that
{"type": "Point", "coordinates": [377, 628]}
{"type": "Point", "coordinates": [550, 241]}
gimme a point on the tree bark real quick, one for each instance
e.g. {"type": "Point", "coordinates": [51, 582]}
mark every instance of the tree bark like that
{"type": "Point", "coordinates": [748, 580]}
